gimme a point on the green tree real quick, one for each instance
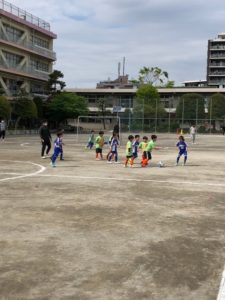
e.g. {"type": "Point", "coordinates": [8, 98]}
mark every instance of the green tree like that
{"type": "Point", "coordinates": [191, 106]}
{"type": "Point", "coordinates": [2, 92]}
{"type": "Point", "coordinates": [5, 108]}
{"type": "Point", "coordinates": [169, 84]}
{"type": "Point", "coordinates": [66, 106]}
{"type": "Point", "coordinates": [39, 104]}
{"type": "Point", "coordinates": [102, 103]}
{"type": "Point", "coordinates": [54, 84]}
{"type": "Point", "coordinates": [147, 102]}
{"type": "Point", "coordinates": [24, 107]}
{"type": "Point", "coordinates": [216, 106]}
{"type": "Point", "coordinates": [154, 76]}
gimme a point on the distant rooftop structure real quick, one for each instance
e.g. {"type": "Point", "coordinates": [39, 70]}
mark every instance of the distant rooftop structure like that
{"type": "Point", "coordinates": [195, 83]}
{"type": "Point", "coordinates": [121, 82]}
{"type": "Point", "coordinates": [221, 36]}
{"type": "Point", "coordinates": [22, 16]}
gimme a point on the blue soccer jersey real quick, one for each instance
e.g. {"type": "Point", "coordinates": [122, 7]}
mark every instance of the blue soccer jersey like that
{"type": "Point", "coordinates": [58, 142]}
{"type": "Point", "coordinates": [135, 147]}
{"type": "Point", "coordinates": [182, 146]}
{"type": "Point", "coordinates": [114, 144]}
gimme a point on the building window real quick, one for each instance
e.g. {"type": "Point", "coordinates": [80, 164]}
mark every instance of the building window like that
{"type": "Point", "coordinates": [39, 65]}
{"type": "Point", "coordinates": [13, 33]}
{"type": "Point", "coordinates": [37, 41]}
{"type": "Point", "coordinates": [13, 60]}
{"type": "Point", "coordinates": [125, 101]}
{"type": "Point", "coordinates": [37, 88]}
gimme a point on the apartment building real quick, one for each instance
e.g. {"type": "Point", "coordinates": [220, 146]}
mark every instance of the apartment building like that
{"type": "Point", "coordinates": [216, 61]}
{"type": "Point", "coordinates": [26, 50]}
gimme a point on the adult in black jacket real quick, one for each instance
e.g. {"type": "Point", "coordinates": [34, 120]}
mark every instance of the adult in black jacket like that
{"type": "Point", "coordinates": [46, 138]}
{"type": "Point", "coordinates": [116, 129]}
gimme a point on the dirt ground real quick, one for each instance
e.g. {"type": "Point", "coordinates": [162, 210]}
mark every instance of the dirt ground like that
{"type": "Point", "coordinates": [89, 230]}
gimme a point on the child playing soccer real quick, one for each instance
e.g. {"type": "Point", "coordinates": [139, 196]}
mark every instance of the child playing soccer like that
{"type": "Point", "coordinates": [109, 143]}
{"type": "Point", "coordinates": [129, 151]}
{"type": "Point", "coordinates": [113, 154]}
{"type": "Point", "coordinates": [61, 154]}
{"type": "Point", "coordinates": [91, 140]}
{"type": "Point", "coordinates": [58, 143]}
{"type": "Point", "coordinates": [99, 143]}
{"type": "Point", "coordinates": [148, 150]}
{"type": "Point", "coordinates": [182, 146]}
{"type": "Point", "coordinates": [135, 146]}
{"type": "Point", "coordinates": [143, 146]}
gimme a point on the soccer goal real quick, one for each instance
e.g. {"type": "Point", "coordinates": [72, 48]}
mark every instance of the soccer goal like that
{"type": "Point", "coordinates": [85, 124]}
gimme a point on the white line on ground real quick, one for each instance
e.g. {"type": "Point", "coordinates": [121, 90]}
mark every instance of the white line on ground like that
{"type": "Point", "coordinates": [41, 169]}
{"type": "Point", "coordinates": [18, 174]}
{"type": "Point", "coordinates": [221, 295]}
{"type": "Point", "coordinates": [138, 180]}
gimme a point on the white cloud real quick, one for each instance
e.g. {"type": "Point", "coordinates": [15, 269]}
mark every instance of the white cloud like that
{"type": "Point", "coordinates": [94, 35]}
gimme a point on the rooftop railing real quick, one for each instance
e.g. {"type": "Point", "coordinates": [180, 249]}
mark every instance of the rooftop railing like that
{"type": "Point", "coordinates": [16, 11]}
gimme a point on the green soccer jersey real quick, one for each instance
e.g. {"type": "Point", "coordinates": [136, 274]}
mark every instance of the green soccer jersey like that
{"type": "Point", "coordinates": [150, 146]}
{"type": "Point", "coordinates": [143, 146]}
{"type": "Point", "coordinates": [129, 148]}
{"type": "Point", "coordinates": [99, 142]}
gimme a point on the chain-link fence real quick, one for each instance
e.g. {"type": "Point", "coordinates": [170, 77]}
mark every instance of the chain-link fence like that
{"type": "Point", "coordinates": [171, 125]}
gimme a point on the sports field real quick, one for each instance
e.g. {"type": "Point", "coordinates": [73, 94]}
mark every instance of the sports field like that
{"type": "Point", "coordinates": [88, 230]}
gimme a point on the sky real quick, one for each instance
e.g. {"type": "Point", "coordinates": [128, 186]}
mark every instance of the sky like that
{"type": "Point", "coordinates": [93, 36]}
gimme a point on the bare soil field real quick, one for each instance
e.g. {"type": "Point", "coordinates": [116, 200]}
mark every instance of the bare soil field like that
{"type": "Point", "coordinates": [89, 230]}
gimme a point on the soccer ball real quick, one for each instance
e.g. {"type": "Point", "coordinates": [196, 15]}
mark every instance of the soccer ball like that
{"type": "Point", "coordinates": [161, 164]}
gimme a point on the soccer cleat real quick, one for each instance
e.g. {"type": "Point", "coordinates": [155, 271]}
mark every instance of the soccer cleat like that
{"type": "Point", "coordinates": [53, 164]}
{"type": "Point", "coordinates": [43, 157]}
{"type": "Point", "coordinates": [109, 162]}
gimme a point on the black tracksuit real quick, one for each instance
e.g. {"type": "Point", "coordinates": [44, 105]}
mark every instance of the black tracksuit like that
{"type": "Point", "coordinates": [45, 139]}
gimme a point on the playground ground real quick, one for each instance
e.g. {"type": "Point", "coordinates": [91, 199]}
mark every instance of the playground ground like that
{"type": "Point", "coordinates": [88, 230]}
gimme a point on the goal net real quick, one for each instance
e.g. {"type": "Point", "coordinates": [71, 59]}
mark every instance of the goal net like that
{"type": "Point", "coordinates": [85, 124]}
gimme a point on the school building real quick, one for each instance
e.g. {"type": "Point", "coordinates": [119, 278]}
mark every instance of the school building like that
{"type": "Point", "coordinates": [26, 51]}
{"type": "Point", "coordinates": [118, 100]}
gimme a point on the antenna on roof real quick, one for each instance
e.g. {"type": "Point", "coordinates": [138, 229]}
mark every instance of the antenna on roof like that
{"type": "Point", "coordinates": [123, 66]}
{"type": "Point", "coordinates": [119, 69]}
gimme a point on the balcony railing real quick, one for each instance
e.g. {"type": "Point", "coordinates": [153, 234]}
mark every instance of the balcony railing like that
{"type": "Point", "coordinates": [216, 82]}
{"type": "Point", "coordinates": [222, 47]}
{"type": "Point", "coordinates": [25, 71]}
{"type": "Point", "coordinates": [217, 74]}
{"type": "Point", "coordinates": [41, 51]}
{"type": "Point", "coordinates": [217, 65]}
{"type": "Point", "coordinates": [16, 11]}
{"type": "Point", "coordinates": [218, 55]}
